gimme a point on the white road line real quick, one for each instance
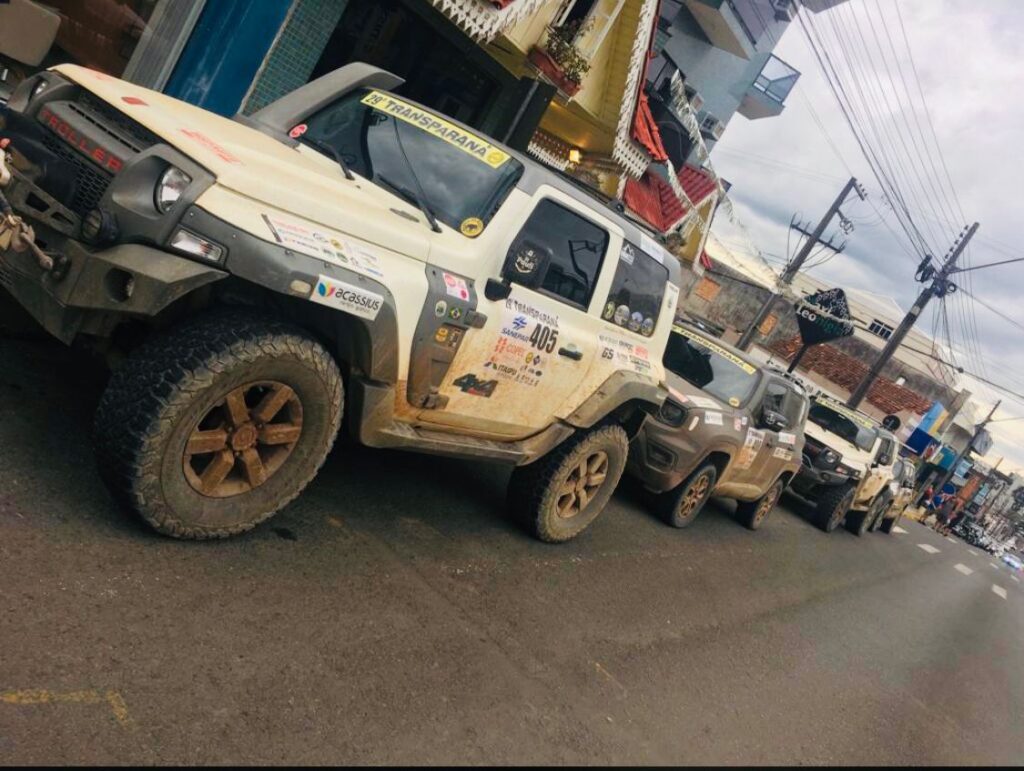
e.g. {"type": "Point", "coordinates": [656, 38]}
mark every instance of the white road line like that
{"type": "Point", "coordinates": [963, 569]}
{"type": "Point", "coordinates": [1015, 579]}
{"type": "Point", "coordinates": [999, 590]}
{"type": "Point", "coordinates": [994, 565]}
{"type": "Point", "coordinates": [950, 539]}
{"type": "Point", "coordinates": [928, 548]}
{"type": "Point", "coordinates": [900, 530]}
{"type": "Point", "coordinates": [972, 553]}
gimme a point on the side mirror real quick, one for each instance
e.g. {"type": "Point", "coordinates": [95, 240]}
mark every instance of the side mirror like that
{"type": "Point", "coordinates": [882, 460]}
{"type": "Point", "coordinates": [773, 421]}
{"type": "Point", "coordinates": [495, 290]}
{"type": "Point", "coordinates": [526, 263]}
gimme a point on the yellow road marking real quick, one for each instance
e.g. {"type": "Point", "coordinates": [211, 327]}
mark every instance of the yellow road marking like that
{"type": "Point", "coordinates": [41, 696]}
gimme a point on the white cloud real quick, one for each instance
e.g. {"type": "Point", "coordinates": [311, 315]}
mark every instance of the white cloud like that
{"type": "Point", "coordinates": [968, 59]}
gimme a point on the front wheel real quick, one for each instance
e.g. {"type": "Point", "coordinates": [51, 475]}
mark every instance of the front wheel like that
{"type": "Point", "coordinates": [888, 524]}
{"type": "Point", "coordinates": [681, 506]}
{"type": "Point", "coordinates": [833, 506]}
{"type": "Point", "coordinates": [560, 494]}
{"type": "Point", "coordinates": [753, 514]}
{"type": "Point", "coordinates": [211, 428]}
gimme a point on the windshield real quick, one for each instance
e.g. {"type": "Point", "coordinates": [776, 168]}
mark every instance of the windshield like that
{"type": "Point", "coordinates": [403, 148]}
{"type": "Point", "coordinates": [710, 367]}
{"type": "Point", "coordinates": [860, 434]}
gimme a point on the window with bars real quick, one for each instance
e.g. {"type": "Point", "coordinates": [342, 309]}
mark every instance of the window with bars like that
{"type": "Point", "coordinates": [880, 329]}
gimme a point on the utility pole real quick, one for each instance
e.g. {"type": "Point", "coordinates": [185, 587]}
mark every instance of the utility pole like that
{"type": "Point", "coordinates": [797, 262]}
{"type": "Point", "coordinates": [939, 287]}
{"type": "Point", "coordinates": [964, 452]}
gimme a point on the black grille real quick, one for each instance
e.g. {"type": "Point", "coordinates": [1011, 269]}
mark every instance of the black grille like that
{"type": "Point", "coordinates": [90, 182]}
{"type": "Point", "coordinates": [114, 122]}
{"type": "Point", "coordinates": [6, 279]}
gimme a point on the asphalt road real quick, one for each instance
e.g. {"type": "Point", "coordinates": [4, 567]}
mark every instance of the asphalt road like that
{"type": "Point", "coordinates": [395, 615]}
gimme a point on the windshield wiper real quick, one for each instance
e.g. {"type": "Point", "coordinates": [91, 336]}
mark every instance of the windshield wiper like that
{"type": "Point", "coordinates": [333, 151]}
{"type": "Point", "coordinates": [419, 196]}
{"type": "Point", "coordinates": [410, 196]}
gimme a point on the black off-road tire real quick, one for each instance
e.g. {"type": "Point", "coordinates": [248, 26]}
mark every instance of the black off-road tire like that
{"type": "Point", "coordinates": [833, 507]}
{"type": "Point", "coordinates": [889, 523]}
{"type": "Point", "coordinates": [859, 522]}
{"type": "Point", "coordinates": [157, 397]}
{"type": "Point", "coordinates": [669, 505]}
{"type": "Point", "coordinates": [753, 514]}
{"type": "Point", "coordinates": [882, 511]}
{"type": "Point", "coordinates": [533, 490]}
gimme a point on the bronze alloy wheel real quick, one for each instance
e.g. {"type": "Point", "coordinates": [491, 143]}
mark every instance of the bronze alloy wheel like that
{"type": "Point", "coordinates": [243, 440]}
{"type": "Point", "coordinates": [694, 496]}
{"type": "Point", "coordinates": [765, 507]}
{"type": "Point", "coordinates": [582, 485]}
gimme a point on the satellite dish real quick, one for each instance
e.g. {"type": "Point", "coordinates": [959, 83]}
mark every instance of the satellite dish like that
{"type": "Point", "coordinates": [891, 423]}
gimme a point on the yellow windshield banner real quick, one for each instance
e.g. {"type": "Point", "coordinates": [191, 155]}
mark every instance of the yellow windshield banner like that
{"type": "Point", "coordinates": [861, 420]}
{"type": "Point", "coordinates": [458, 137]}
{"type": "Point", "coordinates": [715, 348]}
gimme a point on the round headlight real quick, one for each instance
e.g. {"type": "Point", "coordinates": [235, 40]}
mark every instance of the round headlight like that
{"type": "Point", "coordinates": [830, 457]}
{"type": "Point", "coordinates": [170, 187]}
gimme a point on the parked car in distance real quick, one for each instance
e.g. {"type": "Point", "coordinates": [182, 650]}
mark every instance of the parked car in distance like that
{"type": "Point", "coordinates": [729, 428]}
{"type": "Point", "coordinates": [847, 468]}
{"type": "Point", "coordinates": [1013, 561]}
{"type": "Point", "coordinates": [902, 487]}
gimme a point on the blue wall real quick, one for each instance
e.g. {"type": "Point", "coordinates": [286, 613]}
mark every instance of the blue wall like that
{"type": "Point", "coordinates": [226, 49]}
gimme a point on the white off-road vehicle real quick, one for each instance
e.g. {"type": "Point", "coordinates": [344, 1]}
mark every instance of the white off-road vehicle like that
{"type": "Point", "coordinates": [342, 250]}
{"type": "Point", "coordinates": [848, 467]}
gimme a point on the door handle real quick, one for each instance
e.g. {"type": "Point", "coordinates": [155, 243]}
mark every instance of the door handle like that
{"type": "Point", "coordinates": [570, 353]}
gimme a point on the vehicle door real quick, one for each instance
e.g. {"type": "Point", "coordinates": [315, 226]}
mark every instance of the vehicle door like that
{"type": "Point", "coordinates": [880, 471]}
{"type": "Point", "coordinates": [532, 338]}
{"type": "Point", "coordinates": [780, 400]}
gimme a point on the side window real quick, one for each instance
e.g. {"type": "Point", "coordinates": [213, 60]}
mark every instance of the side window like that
{"type": "Point", "coordinates": [779, 397]}
{"type": "Point", "coordinates": [886, 448]}
{"type": "Point", "coordinates": [570, 247]}
{"type": "Point", "coordinates": [637, 291]}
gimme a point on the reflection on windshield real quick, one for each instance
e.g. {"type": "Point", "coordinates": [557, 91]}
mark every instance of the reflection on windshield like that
{"type": "Point", "coordinates": [842, 426]}
{"type": "Point", "coordinates": [463, 177]}
{"type": "Point", "coordinates": [708, 370]}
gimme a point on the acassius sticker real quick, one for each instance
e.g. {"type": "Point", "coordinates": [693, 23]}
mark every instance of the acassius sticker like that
{"type": "Point", "coordinates": [347, 297]}
{"type": "Point", "coordinates": [457, 137]}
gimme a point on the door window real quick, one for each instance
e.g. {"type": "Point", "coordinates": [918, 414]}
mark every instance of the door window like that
{"type": "Point", "coordinates": [573, 249]}
{"type": "Point", "coordinates": [637, 291]}
{"type": "Point", "coordinates": [780, 398]}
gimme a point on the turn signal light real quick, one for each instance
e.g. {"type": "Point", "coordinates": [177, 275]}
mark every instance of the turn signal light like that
{"type": "Point", "coordinates": [189, 243]}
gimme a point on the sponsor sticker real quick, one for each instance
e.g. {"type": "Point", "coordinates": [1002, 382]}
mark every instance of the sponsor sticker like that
{"type": "Point", "coordinates": [347, 297]}
{"type": "Point", "coordinates": [313, 242]}
{"type": "Point", "coordinates": [737, 424]}
{"type": "Point", "coordinates": [751, 445]}
{"type": "Point", "coordinates": [457, 137]}
{"type": "Point", "coordinates": [787, 438]}
{"type": "Point", "coordinates": [474, 386]}
{"type": "Point", "coordinates": [713, 418]}
{"type": "Point", "coordinates": [200, 138]}
{"type": "Point", "coordinates": [440, 308]}
{"type": "Point", "coordinates": [782, 452]}
{"type": "Point", "coordinates": [456, 286]}
{"type": "Point", "coordinates": [705, 403]}
{"type": "Point", "coordinates": [471, 227]}
{"type": "Point", "coordinates": [298, 131]}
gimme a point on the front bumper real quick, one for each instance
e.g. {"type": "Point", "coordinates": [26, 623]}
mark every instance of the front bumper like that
{"type": "Point", "coordinates": [810, 477]}
{"type": "Point", "coordinates": [92, 291]}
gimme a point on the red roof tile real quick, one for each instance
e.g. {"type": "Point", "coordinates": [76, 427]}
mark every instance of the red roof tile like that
{"type": "Point", "coordinates": [645, 130]}
{"type": "Point", "coordinates": [654, 200]}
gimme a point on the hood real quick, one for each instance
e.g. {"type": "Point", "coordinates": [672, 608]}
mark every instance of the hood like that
{"type": "Point", "coordinates": [853, 456]}
{"type": "Point", "coordinates": [260, 168]}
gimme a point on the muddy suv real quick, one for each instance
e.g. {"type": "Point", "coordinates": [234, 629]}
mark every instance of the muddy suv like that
{"type": "Point", "coordinates": [729, 428]}
{"type": "Point", "coordinates": [343, 250]}
{"type": "Point", "coordinates": [847, 468]}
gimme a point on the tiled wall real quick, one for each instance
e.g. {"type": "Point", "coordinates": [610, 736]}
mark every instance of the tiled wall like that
{"type": "Point", "coordinates": [296, 51]}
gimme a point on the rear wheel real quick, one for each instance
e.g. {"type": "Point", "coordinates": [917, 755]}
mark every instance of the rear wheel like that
{"type": "Point", "coordinates": [753, 514]}
{"type": "Point", "coordinates": [882, 511]}
{"type": "Point", "coordinates": [560, 494]}
{"type": "Point", "coordinates": [211, 428]}
{"type": "Point", "coordinates": [681, 506]}
{"type": "Point", "coordinates": [833, 506]}
{"type": "Point", "coordinates": [859, 522]}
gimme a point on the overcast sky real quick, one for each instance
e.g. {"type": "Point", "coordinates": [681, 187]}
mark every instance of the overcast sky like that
{"type": "Point", "coordinates": [968, 57]}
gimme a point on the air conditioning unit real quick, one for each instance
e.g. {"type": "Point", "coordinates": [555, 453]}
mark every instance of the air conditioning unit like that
{"type": "Point", "coordinates": [785, 10]}
{"type": "Point", "coordinates": [694, 98]}
{"type": "Point", "coordinates": [711, 127]}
